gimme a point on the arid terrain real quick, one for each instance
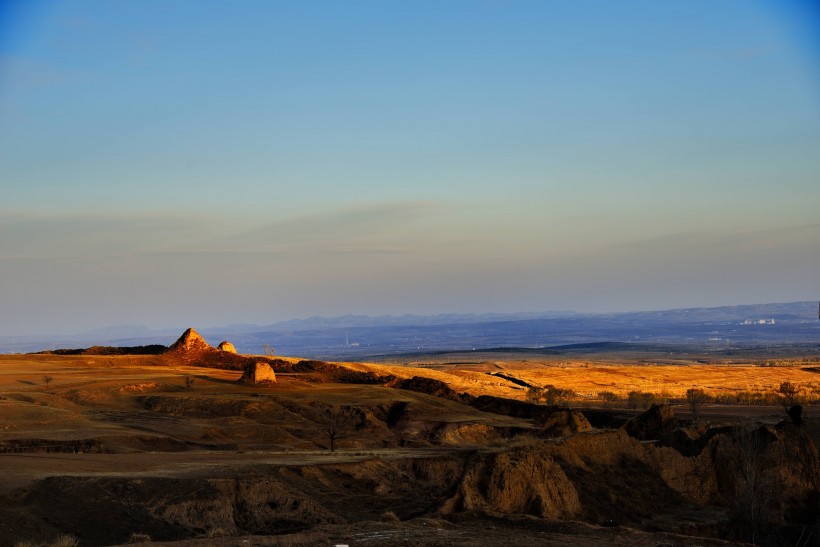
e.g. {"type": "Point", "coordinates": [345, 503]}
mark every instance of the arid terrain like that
{"type": "Point", "coordinates": [476, 449]}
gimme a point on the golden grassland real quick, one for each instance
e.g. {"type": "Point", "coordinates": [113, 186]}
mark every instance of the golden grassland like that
{"type": "Point", "coordinates": [589, 379]}
{"type": "Point", "coordinates": [107, 376]}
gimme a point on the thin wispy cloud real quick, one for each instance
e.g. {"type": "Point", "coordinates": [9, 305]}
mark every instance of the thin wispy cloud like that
{"type": "Point", "coordinates": [82, 235]}
{"type": "Point", "coordinates": [717, 241]}
{"type": "Point", "coordinates": [372, 229]}
{"type": "Point", "coordinates": [375, 228]}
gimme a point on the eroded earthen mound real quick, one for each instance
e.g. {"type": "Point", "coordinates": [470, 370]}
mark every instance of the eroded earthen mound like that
{"type": "Point", "coordinates": [431, 386]}
{"type": "Point", "coordinates": [226, 346]}
{"type": "Point", "coordinates": [191, 349]}
{"type": "Point", "coordinates": [657, 422]}
{"type": "Point", "coordinates": [190, 342]}
{"type": "Point", "coordinates": [566, 422]}
{"type": "Point", "coordinates": [258, 373]}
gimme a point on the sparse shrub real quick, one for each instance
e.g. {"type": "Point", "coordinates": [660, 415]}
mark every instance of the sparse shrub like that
{"type": "Point", "coordinates": [390, 516]}
{"type": "Point", "coordinates": [216, 533]}
{"type": "Point", "coordinates": [139, 537]}
{"type": "Point", "coordinates": [535, 394]}
{"type": "Point", "coordinates": [557, 396]}
{"type": "Point", "coordinates": [304, 539]}
{"type": "Point", "coordinates": [746, 397]}
{"type": "Point", "coordinates": [789, 394]}
{"type": "Point", "coordinates": [608, 398]}
{"type": "Point", "coordinates": [640, 399]}
{"type": "Point", "coordinates": [753, 486]}
{"type": "Point", "coordinates": [647, 399]}
{"type": "Point", "coordinates": [520, 440]}
{"type": "Point", "coordinates": [189, 381]}
{"type": "Point", "coordinates": [47, 380]}
{"type": "Point", "coordinates": [65, 540]}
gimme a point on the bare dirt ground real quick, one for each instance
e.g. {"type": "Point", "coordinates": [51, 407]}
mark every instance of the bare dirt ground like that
{"type": "Point", "coordinates": [477, 533]}
{"type": "Point", "coordinates": [80, 429]}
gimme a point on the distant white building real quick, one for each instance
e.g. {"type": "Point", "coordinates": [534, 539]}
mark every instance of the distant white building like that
{"type": "Point", "coordinates": [759, 322]}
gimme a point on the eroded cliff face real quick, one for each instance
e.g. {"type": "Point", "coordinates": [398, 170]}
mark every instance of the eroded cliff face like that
{"type": "Point", "coordinates": [600, 477]}
{"type": "Point", "coordinates": [240, 500]}
{"type": "Point", "coordinates": [517, 481]}
{"type": "Point", "coordinates": [745, 483]}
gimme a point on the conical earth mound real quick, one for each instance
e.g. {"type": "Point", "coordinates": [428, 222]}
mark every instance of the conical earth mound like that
{"type": "Point", "coordinates": [190, 342]}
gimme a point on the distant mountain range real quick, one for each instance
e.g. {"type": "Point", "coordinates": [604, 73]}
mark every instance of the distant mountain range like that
{"type": "Point", "coordinates": [360, 336]}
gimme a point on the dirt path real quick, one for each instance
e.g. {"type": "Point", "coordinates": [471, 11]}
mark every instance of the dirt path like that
{"type": "Point", "coordinates": [17, 470]}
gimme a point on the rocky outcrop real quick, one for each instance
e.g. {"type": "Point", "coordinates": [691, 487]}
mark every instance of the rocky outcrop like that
{"type": "Point", "coordinates": [565, 422]}
{"type": "Point", "coordinates": [258, 373]}
{"type": "Point", "coordinates": [521, 481]}
{"type": "Point", "coordinates": [463, 434]}
{"type": "Point", "coordinates": [261, 501]}
{"type": "Point", "coordinates": [657, 423]}
{"type": "Point", "coordinates": [431, 386]}
{"type": "Point", "coordinates": [226, 346]}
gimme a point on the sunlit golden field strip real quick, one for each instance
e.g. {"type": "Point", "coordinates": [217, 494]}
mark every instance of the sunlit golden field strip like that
{"type": "Point", "coordinates": [587, 380]}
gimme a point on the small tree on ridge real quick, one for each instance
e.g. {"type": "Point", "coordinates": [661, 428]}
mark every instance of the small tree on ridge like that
{"type": "Point", "coordinates": [337, 422]}
{"type": "Point", "coordinates": [696, 398]}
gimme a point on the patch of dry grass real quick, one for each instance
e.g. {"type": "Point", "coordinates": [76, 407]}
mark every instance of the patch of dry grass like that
{"type": "Point", "coordinates": [64, 540]}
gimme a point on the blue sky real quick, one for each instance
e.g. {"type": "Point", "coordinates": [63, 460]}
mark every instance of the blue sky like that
{"type": "Point", "coordinates": [203, 163]}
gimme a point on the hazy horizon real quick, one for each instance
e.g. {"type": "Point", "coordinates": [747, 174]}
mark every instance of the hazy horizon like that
{"type": "Point", "coordinates": [200, 163]}
{"type": "Point", "coordinates": [139, 329]}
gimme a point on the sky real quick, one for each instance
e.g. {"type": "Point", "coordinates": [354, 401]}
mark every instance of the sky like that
{"type": "Point", "coordinates": [203, 163]}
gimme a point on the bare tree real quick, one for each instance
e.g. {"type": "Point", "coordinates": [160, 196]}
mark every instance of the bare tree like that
{"type": "Point", "coordinates": [337, 422]}
{"type": "Point", "coordinates": [640, 399]}
{"type": "Point", "coordinates": [47, 380]}
{"type": "Point", "coordinates": [789, 394]}
{"type": "Point", "coordinates": [189, 381]}
{"type": "Point", "coordinates": [550, 394]}
{"type": "Point", "coordinates": [752, 487]}
{"type": "Point", "coordinates": [696, 398]}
